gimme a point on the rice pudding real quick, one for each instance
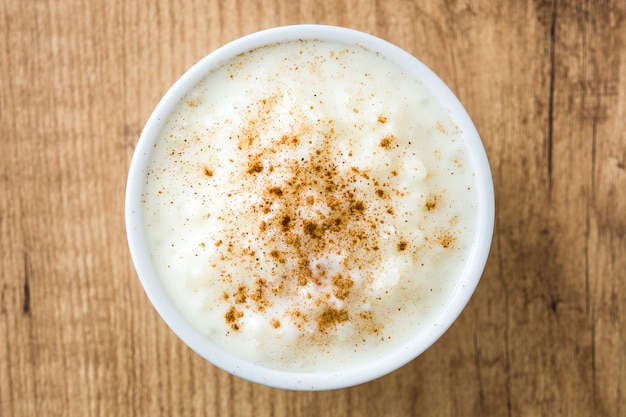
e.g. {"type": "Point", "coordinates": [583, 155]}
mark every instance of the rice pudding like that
{"type": "Point", "coordinates": [309, 206]}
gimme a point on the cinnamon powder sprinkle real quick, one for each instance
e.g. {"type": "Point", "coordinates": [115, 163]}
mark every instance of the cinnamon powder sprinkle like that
{"type": "Point", "coordinates": [318, 207]}
{"type": "Point", "coordinates": [255, 167]}
{"type": "Point", "coordinates": [231, 316]}
{"type": "Point", "coordinates": [342, 286]}
{"type": "Point", "coordinates": [241, 295]}
{"type": "Point", "coordinates": [331, 316]}
{"type": "Point", "coordinates": [446, 240]}
{"type": "Point", "coordinates": [258, 296]}
{"type": "Point", "coordinates": [387, 142]}
{"type": "Point", "coordinates": [432, 202]}
{"type": "Point", "coordinates": [276, 191]}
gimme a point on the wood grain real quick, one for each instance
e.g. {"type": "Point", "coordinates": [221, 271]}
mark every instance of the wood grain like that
{"type": "Point", "coordinates": [545, 333]}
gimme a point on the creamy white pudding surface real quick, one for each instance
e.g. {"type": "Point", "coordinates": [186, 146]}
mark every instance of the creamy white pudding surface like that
{"type": "Point", "coordinates": [309, 206]}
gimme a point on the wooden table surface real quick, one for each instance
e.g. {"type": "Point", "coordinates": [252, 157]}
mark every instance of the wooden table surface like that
{"type": "Point", "coordinates": [544, 334]}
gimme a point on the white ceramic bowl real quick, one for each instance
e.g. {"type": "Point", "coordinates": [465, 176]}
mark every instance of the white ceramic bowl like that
{"type": "Point", "coordinates": [339, 378]}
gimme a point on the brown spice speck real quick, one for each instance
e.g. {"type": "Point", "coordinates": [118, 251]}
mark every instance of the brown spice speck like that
{"type": "Point", "coordinates": [311, 229]}
{"type": "Point", "coordinates": [431, 203]}
{"type": "Point", "coordinates": [208, 172]}
{"type": "Point", "coordinates": [258, 295]}
{"type": "Point", "coordinates": [358, 206]}
{"type": "Point", "coordinates": [231, 316]}
{"type": "Point", "coordinates": [387, 142]}
{"type": "Point", "coordinates": [331, 316]}
{"type": "Point", "coordinates": [276, 191]}
{"type": "Point", "coordinates": [446, 240]}
{"type": "Point", "coordinates": [366, 315]}
{"type": "Point", "coordinates": [342, 286]}
{"type": "Point", "coordinates": [289, 139]}
{"type": "Point", "coordinates": [255, 167]}
{"type": "Point", "coordinates": [241, 295]}
{"type": "Point", "coordinates": [280, 257]}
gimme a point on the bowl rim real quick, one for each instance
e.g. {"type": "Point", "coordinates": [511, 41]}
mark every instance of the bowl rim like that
{"type": "Point", "coordinates": [310, 381]}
